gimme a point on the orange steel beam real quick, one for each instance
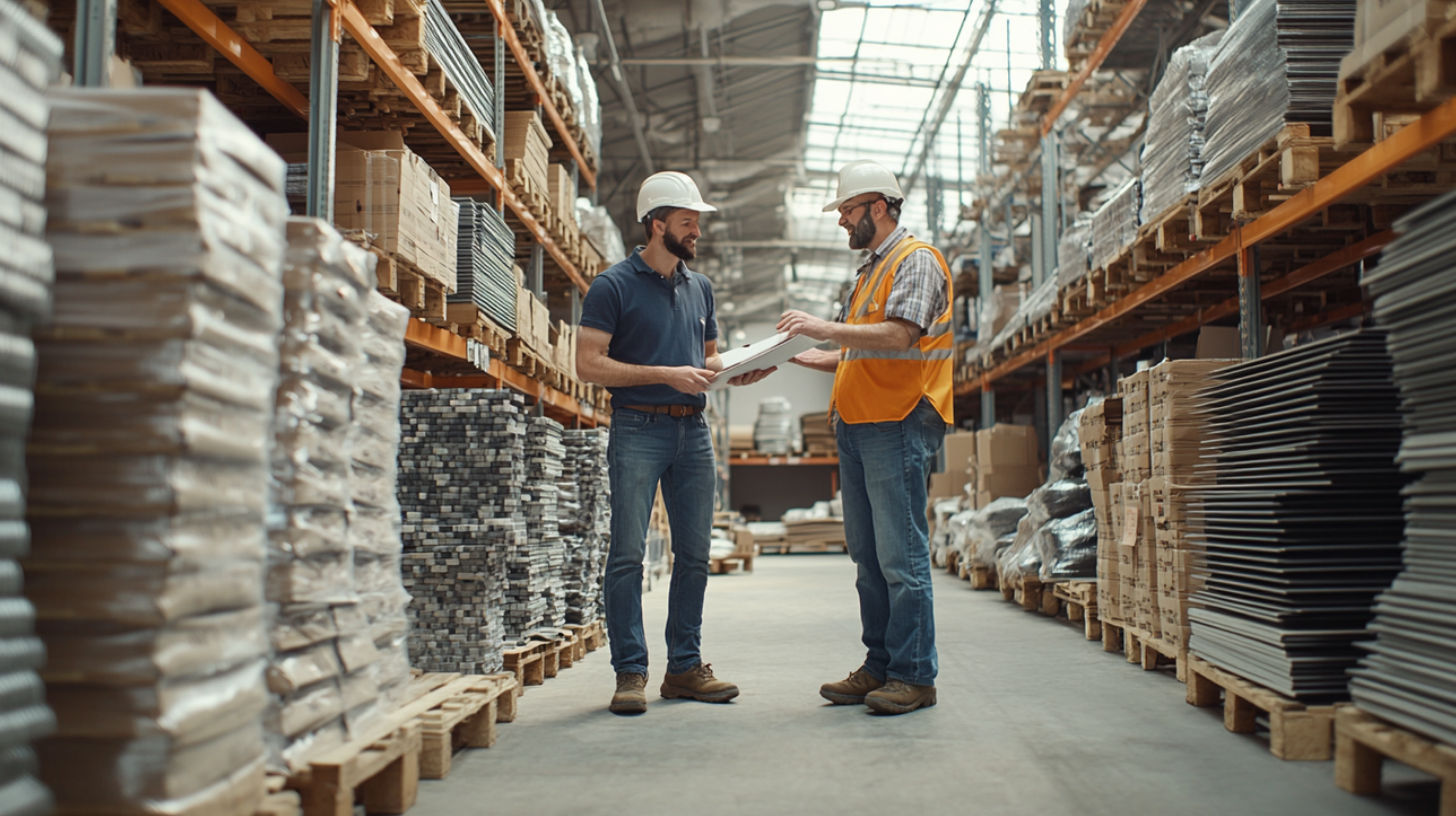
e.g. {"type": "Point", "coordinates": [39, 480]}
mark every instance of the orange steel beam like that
{"type": "Point", "coordinates": [534, 80]}
{"type": "Point", "coordinates": [1094, 61]}
{"type": "Point", "coordinates": [404, 79]}
{"type": "Point", "coordinates": [1412, 140]}
{"type": "Point", "coordinates": [217, 34]}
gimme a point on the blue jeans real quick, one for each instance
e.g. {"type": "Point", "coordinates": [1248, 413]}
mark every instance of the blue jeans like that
{"type": "Point", "coordinates": [883, 467]}
{"type": "Point", "coordinates": [677, 451]}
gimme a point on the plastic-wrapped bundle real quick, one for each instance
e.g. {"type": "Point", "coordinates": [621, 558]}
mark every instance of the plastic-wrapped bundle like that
{"type": "Point", "coordinates": [374, 524]}
{"type": "Point", "coordinates": [1278, 63]}
{"type": "Point", "coordinates": [148, 462]}
{"type": "Point", "coordinates": [590, 110]}
{"type": "Point", "coordinates": [996, 314]}
{"type": "Point", "coordinates": [773, 432]}
{"type": "Point", "coordinates": [991, 524]}
{"type": "Point", "coordinates": [1065, 459]}
{"type": "Point", "coordinates": [958, 529]}
{"type": "Point", "coordinates": [942, 511]}
{"type": "Point", "coordinates": [1072, 23]}
{"type": "Point", "coordinates": [1115, 224]}
{"type": "Point", "coordinates": [561, 57]}
{"type": "Point", "coordinates": [1067, 548]}
{"type": "Point", "coordinates": [30, 58]}
{"type": "Point", "coordinates": [1073, 251]}
{"type": "Point", "coordinates": [322, 670]}
{"type": "Point", "coordinates": [1041, 301]}
{"type": "Point", "coordinates": [598, 226]}
{"type": "Point", "coordinates": [1173, 150]}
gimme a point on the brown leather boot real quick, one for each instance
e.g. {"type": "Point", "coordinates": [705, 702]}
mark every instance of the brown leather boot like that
{"type": "Point", "coordinates": [852, 690]}
{"type": "Point", "coordinates": [699, 684]}
{"type": "Point", "coordinates": [631, 696]}
{"type": "Point", "coordinates": [899, 697]}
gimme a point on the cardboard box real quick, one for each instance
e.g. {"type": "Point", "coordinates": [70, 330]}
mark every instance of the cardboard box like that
{"type": "Point", "coordinates": [384, 189]}
{"type": "Point", "coordinates": [1007, 445]}
{"type": "Point", "coordinates": [562, 195]}
{"type": "Point", "coordinates": [960, 450]}
{"type": "Point", "coordinates": [946, 485]}
{"type": "Point", "coordinates": [1012, 481]}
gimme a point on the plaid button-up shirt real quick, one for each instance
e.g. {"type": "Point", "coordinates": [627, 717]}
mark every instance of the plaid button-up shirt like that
{"type": "Point", "coordinates": [918, 294]}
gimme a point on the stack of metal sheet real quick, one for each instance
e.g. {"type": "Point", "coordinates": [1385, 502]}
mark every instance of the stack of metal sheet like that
{"type": "Point", "coordinates": [485, 263]}
{"type": "Point", "coordinates": [30, 59]}
{"type": "Point", "coordinates": [461, 66]}
{"type": "Point", "coordinates": [1115, 224]}
{"type": "Point", "coordinates": [591, 524]}
{"type": "Point", "coordinates": [1408, 676]}
{"type": "Point", "coordinates": [1277, 64]}
{"type": "Point", "coordinates": [1173, 152]}
{"type": "Point", "coordinates": [1301, 528]}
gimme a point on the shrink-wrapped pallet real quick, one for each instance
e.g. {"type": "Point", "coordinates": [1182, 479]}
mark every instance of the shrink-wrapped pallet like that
{"type": "Point", "coordinates": [1115, 224]}
{"type": "Point", "coordinates": [1177, 112]}
{"type": "Point", "coordinates": [149, 458]}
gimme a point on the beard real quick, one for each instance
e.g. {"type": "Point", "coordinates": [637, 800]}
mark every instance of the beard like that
{"type": "Point", "coordinates": [864, 232]}
{"type": "Point", "coordinates": [677, 247]}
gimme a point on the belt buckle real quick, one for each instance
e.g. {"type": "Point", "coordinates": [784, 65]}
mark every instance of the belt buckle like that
{"type": "Point", "coordinates": [679, 411]}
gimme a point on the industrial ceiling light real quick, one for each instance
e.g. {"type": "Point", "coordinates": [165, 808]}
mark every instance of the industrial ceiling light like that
{"type": "Point", "coordinates": [826, 5]}
{"type": "Point", "coordinates": [711, 124]}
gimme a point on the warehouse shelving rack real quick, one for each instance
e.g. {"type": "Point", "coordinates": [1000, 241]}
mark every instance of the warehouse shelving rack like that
{"type": "Point", "coordinates": [1238, 250]}
{"type": "Point", "coordinates": [444, 350]}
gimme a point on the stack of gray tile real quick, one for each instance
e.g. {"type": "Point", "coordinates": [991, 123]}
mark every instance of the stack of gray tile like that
{"type": "Point", "coordinates": [544, 455]}
{"type": "Point", "coordinates": [461, 472]}
{"type": "Point", "coordinates": [148, 461]}
{"type": "Point", "coordinates": [1072, 251]}
{"type": "Point", "coordinates": [590, 524]}
{"type": "Point", "coordinates": [30, 59]}
{"type": "Point", "coordinates": [1173, 152]}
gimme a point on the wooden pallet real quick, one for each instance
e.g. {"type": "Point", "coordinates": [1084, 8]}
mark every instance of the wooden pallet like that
{"type": "Point", "coordinates": [380, 769]}
{"type": "Point", "coordinates": [1080, 600]}
{"type": "Point", "coordinates": [1285, 164]}
{"type": "Point", "coordinates": [1030, 594]}
{"type": "Point", "coordinates": [528, 663]}
{"type": "Point", "coordinates": [723, 566]}
{"type": "Point", "coordinates": [463, 714]}
{"type": "Point", "coordinates": [1114, 636]}
{"type": "Point", "coordinates": [1412, 75]}
{"type": "Point", "coordinates": [982, 577]}
{"type": "Point", "coordinates": [1296, 731]}
{"type": "Point", "coordinates": [1363, 741]}
{"type": "Point", "coordinates": [1151, 652]}
{"type": "Point", "coordinates": [406, 284]}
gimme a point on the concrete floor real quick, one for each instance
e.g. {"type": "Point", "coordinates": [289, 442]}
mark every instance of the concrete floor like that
{"type": "Point", "coordinates": [1032, 720]}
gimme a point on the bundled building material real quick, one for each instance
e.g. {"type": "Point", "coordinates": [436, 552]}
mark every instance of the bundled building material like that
{"type": "Point", "coordinates": [1115, 224]}
{"type": "Point", "coordinates": [1057, 538]}
{"type": "Point", "coordinates": [1132, 511]}
{"type": "Point", "coordinates": [1406, 678]}
{"type": "Point", "coordinates": [485, 270]}
{"type": "Point", "coordinates": [1179, 444]}
{"type": "Point", "coordinates": [818, 435]}
{"type": "Point", "coordinates": [547, 558]}
{"type": "Point", "coordinates": [1008, 462]}
{"type": "Point", "coordinates": [461, 469]}
{"type": "Point", "coordinates": [599, 228]}
{"type": "Point", "coordinates": [1277, 64]}
{"type": "Point", "coordinates": [1172, 160]}
{"type": "Point", "coordinates": [148, 463]}
{"type": "Point", "coordinates": [993, 529]}
{"type": "Point", "coordinates": [1074, 251]}
{"type": "Point", "coordinates": [461, 66]}
{"type": "Point", "coordinates": [374, 524]}
{"type": "Point", "coordinates": [29, 61]}
{"type": "Point", "coordinates": [1301, 530]}
{"type": "Point", "coordinates": [528, 143]}
{"type": "Point", "coordinates": [773, 432]}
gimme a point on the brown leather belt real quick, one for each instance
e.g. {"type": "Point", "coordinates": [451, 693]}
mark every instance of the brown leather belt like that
{"type": "Point", "coordinates": [670, 410]}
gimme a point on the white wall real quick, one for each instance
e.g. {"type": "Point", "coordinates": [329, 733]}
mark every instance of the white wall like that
{"type": "Point", "coordinates": [807, 391]}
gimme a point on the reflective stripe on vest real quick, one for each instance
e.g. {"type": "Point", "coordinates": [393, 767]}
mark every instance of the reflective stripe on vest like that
{"type": "Point", "coordinates": [885, 386]}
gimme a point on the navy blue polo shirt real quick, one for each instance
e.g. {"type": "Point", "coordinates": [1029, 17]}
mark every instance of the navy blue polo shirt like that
{"type": "Point", "coordinates": [653, 321]}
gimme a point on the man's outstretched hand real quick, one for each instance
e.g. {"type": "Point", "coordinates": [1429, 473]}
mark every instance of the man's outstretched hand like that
{"type": "Point", "coordinates": [795, 322]}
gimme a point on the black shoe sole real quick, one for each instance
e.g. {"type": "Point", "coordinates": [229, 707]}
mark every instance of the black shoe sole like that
{"type": "Point", "coordinates": [675, 693]}
{"type": "Point", "coordinates": [628, 708]}
{"type": "Point", "coordinates": [842, 699]}
{"type": "Point", "coordinates": [880, 705]}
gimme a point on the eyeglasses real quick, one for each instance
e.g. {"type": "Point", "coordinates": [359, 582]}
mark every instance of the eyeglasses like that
{"type": "Point", "coordinates": [843, 213]}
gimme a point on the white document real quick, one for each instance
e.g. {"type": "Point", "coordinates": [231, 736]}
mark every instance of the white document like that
{"type": "Point", "coordinates": [776, 350]}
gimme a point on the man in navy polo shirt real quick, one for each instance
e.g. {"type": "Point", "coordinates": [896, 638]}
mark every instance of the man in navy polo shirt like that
{"type": "Point", "coordinates": [649, 335]}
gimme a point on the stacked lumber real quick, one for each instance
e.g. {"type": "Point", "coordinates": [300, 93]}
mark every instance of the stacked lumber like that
{"type": "Point", "coordinates": [528, 157]}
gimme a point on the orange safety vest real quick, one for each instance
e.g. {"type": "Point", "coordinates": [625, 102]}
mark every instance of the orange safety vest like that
{"type": "Point", "coordinates": [885, 386]}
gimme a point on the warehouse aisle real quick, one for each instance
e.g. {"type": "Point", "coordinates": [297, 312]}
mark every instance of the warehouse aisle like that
{"type": "Point", "coordinates": [1032, 719]}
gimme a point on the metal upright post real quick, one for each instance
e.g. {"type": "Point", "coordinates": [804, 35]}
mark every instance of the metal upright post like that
{"type": "Point", "coordinates": [1050, 221]}
{"type": "Point", "coordinates": [1251, 318]}
{"type": "Point", "coordinates": [500, 99]}
{"type": "Point", "coordinates": [986, 274]}
{"type": "Point", "coordinates": [1047, 45]}
{"type": "Point", "coordinates": [536, 278]}
{"type": "Point", "coordinates": [323, 107]}
{"type": "Point", "coordinates": [1054, 393]}
{"type": "Point", "coordinates": [575, 306]}
{"type": "Point", "coordinates": [95, 42]}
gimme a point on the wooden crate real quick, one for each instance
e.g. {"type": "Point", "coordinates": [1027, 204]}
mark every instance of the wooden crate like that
{"type": "Point", "coordinates": [1296, 731]}
{"type": "Point", "coordinates": [1363, 741]}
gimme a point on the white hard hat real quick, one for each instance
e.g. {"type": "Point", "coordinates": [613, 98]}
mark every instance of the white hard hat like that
{"type": "Point", "coordinates": [670, 189]}
{"type": "Point", "coordinates": [858, 178]}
